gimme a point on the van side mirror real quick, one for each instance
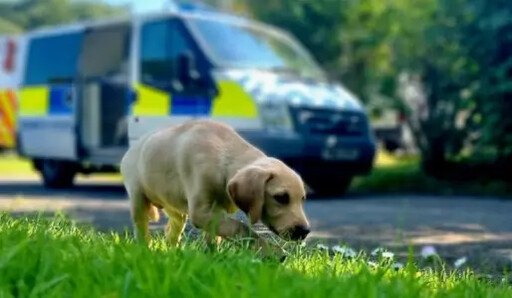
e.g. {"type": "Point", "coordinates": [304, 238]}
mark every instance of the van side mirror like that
{"type": "Point", "coordinates": [186, 68]}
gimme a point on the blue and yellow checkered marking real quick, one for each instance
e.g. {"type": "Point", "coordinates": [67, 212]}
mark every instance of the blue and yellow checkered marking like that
{"type": "Point", "coordinates": [232, 101]}
{"type": "Point", "coordinates": [60, 103]}
{"type": "Point", "coordinates": [190, 105]}
{"type": "Point", "coordinates": [45, 100]}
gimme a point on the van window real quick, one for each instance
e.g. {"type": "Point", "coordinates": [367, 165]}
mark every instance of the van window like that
{"type": "Point", "coordinates": [161, 44]}
{"type": "Point", "coordinates": [53, 59]}
{"type": "Point", "coordinates": [245, 46]}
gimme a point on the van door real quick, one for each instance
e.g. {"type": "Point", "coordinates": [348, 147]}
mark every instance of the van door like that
{"type": "Point", "coordinates": [104, 90]}
{"type": "Point", "coordinates": [174, 78]}
{"type": "Point", "coordinates": [47, 99]}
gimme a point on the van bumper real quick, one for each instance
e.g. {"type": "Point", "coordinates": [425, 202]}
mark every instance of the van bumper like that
{"type": "Point", "coordinates": [317, 154]}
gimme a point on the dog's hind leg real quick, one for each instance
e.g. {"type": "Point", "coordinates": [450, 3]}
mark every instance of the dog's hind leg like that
{"type": "Point", "coordinates": [139, 209]}
{"type": "Point", "coordinates": [175, 226]}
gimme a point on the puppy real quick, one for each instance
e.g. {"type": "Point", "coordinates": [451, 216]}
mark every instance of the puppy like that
{"type": "Point", "coordinates": [205, 170]}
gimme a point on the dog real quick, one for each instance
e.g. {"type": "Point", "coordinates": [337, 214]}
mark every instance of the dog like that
{"type": "Point", "coordinates": [204, 170]}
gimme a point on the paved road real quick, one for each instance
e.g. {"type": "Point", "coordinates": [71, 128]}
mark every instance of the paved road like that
{"type": "Point", "coordinates": [480, 228]}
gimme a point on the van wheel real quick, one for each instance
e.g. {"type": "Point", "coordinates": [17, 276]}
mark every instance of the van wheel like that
{"type": "Point", "coordinates": [57, 174]}
{"type": "Point", "coordinates": [329, 187]}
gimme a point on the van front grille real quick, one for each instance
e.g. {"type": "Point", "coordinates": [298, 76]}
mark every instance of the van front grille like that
{"type": "Point", "coordinates": [319, 122]}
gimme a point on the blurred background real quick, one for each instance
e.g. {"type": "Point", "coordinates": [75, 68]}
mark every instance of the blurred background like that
{"type": "Point", "coordinates": [435, 78]}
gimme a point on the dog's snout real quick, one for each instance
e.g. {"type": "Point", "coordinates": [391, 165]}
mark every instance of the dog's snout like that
{"type": "Point", "coordinates": [300, 232]}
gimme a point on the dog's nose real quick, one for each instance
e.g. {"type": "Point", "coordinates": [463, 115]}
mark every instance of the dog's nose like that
{"type": "Point", "coordinates": [300, 232]}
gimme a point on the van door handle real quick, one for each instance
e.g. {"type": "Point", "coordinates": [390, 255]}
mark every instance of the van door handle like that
{"type": "Point", "coordinates": [68, 98]}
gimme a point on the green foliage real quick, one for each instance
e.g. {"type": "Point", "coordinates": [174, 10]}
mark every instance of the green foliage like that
{"type": "Point", "coordinates": [30, 14]}
{"type": "Point", "coordinates": [359, 42]}
{"type": "Point", "coordinates": [6, 27]}
{"type": "Point", "coordinates": [489, 40]}
{"type": "Point", "coordinates": [55, 258]}
{"type": "Point", "coordinates": [467, 80]}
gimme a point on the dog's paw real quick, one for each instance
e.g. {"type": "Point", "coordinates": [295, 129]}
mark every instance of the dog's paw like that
{"type": "Point", "coordinates": [274, 251]}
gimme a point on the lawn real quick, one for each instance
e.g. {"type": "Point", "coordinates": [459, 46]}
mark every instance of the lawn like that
{"type": "Point", "coordinates": [55, 258]}
{"type": "Point", "coordinates": [393, 175]}
{"type": "Point", "coordinates": [12, 166]}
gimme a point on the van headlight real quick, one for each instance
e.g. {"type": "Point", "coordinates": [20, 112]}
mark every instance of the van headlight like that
{"type": "Point", "coordinates": [275, 116]}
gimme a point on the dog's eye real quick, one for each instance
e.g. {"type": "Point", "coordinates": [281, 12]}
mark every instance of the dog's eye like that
{"type": "Point", "coordinates": [283, 198]}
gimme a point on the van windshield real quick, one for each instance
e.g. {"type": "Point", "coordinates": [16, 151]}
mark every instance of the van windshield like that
{"type": "Point", "coordinates": [241, 46]}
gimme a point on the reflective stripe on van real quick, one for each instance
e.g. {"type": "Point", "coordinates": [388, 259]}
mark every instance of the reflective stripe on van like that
{"type": "Point", "coordinates": [7, 118]}
{"type": "Point", "coordinates": [150, 101]}
{"type": "Point", "coordinates": [34, 101]}
{"type": "Point", "coordinates": [45, 100]}
{"type": "Point", "coordinates": [232, 101]}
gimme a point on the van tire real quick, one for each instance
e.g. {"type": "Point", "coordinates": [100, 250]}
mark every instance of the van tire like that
{"type": "Point", "coordinates": [329, 187]}
{"type": "Point", "coordinates": [57, 174]}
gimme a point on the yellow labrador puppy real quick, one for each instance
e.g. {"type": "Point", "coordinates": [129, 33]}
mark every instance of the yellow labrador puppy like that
{"type": "Point", "coordinates": [205, 170]}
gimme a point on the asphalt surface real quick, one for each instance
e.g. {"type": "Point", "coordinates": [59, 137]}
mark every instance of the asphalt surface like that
{"type": "Point", "coordinates": [478, 228]}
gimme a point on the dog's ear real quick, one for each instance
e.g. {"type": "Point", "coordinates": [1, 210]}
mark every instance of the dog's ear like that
{"type": "Point", "coordinates": [247, 190]}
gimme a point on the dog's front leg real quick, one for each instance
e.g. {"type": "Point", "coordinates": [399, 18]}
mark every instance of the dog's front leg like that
{"type": "Point", "coordinates": [175, 226]}
{"type": "Point", "coordinates": [217, 222]}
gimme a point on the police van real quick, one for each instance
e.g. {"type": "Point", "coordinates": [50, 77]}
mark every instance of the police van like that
{"type": "Point", "coordinates": [89, 90]}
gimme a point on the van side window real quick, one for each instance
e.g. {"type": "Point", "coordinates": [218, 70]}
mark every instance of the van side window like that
{"type": "Point", "coordinates": [161, 44]}
{"type": "Point", "coordinates": [53, 59]}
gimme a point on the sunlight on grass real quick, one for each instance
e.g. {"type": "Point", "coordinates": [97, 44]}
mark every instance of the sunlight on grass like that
{"type": "Point", "coordinates": [392, 174]}
{"type": "Point", "coordinates": [12, 165]}
{"type": "Point", "coordinates": [385, 159]}
{"type": "Point", "coordinates": [55, 258]}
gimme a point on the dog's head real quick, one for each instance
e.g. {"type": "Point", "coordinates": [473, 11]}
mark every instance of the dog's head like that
{"type": "Point", "coordinates": [269, 191]}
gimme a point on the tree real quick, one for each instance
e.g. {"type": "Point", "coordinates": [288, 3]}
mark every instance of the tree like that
{"type": "Point", "coordinates": [489, 40]}
{"type": "Point", "coordinates": [6, 27]}
{"type": "Point", "coordinates": [467, 88]}
{"type": "Point", "coordinates": [355, 41]}
{"type": "Point", "coordinates": [29, 14]}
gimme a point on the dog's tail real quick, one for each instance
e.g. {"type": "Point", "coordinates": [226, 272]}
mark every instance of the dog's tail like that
{"type": "Point", "coordinates": [154, 215]}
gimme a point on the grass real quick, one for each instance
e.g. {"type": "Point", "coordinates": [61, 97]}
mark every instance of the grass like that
{"type": "Point", "coordinates": [394, 175]}
{"type": "Point", "coordinates": [13, 166]}
{"type": "Point", "coordinates": [55, 258]}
